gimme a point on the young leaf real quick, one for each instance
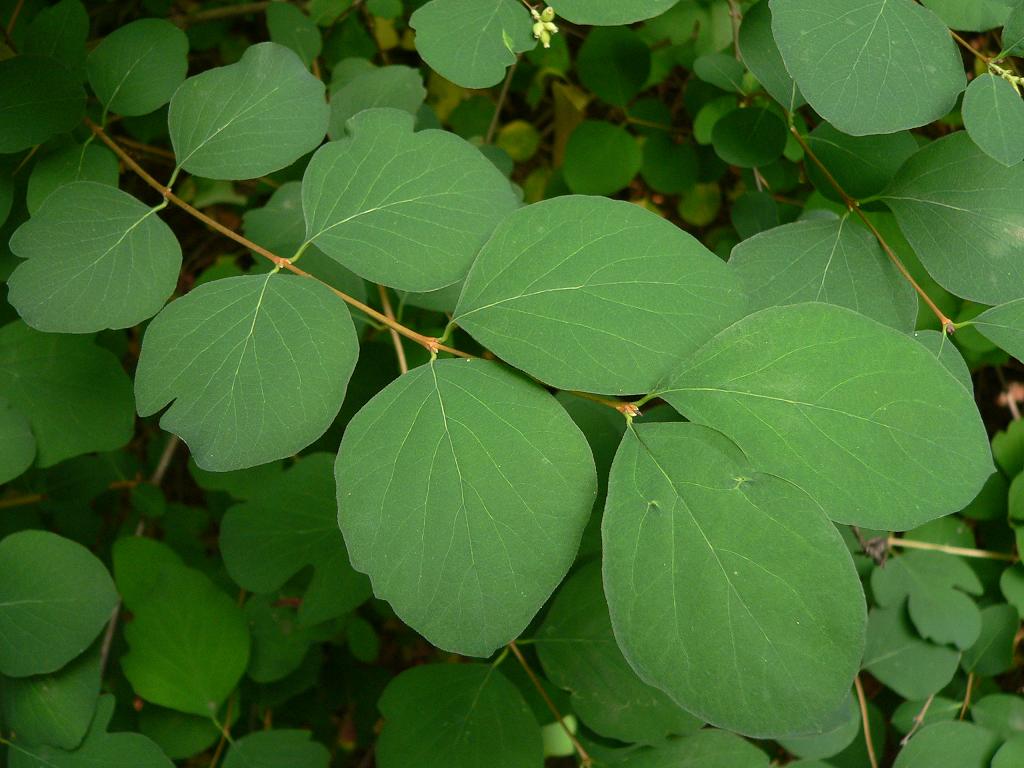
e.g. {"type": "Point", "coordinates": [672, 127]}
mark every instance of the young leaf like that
{"type": "Point", "coordinates": [409, 210]}
{"type": "Point", "coordinates": [293, 29]}
{"type": "Point", "coordinates": [963, 213]}
{"type": "Point", "coordinates": [994, 117]}
{"type": "Point", "coordinates": [277, 749]}
{"type": "Point", "coordinates": [75, 162]}
{"type": "Point", "coordinates": [578, 650]}
{"type": "Point", "coordinates": [705, 749]}
{"type": "Point", "coordinates": [17, 445]}
{"type": "Point", "coordinates": [111, 750]}
{"type": "Point", "coordinates": [631, 292]}
{"type": "Point", "coordinates": [250, 118]}
{"type": "Point", "coordinates": [188, 643]}
{"type": "Point", "coordinates": [54, 709]}
{"type": "Point", "coordinates": [39, 98]}
{"type": "Point", "coordinates": [55, 597]}
{"type": "Point", "coordinates": [611, 12]}
{"type": "Point", "coordinates": [830, 260]}
{"type": "Point", "coordinates": [76, 395]}
{"type": "Point", "coordinates": [949, 745]}
{"type": "Point", "coordinates": [396, 86]}
{"type": "Point", "coordinates": [469, 715]}
{"type": "Point", "coordinates": [136, 68]}
{"type": "Point", "coordinates": [889, 65]}
{"type": "Point", "coordinates": [292, 525]}
{"type": "Point", "coordinates": [900, 659]}
{"type": "Point", "coordinates": [471, 42]}
{"type": "Point", "coordinates": [96, 258]}
{"type": "Point", "coordinates": [896, 441]}
{"type": "Point", "coordinates": [762, 57]}
{"type": "Point", "coordinates": [255, 368]}
{"type": "Point", "coordinates": [691, 529]}
{"type": "Point", "coordinates": [468, 521]}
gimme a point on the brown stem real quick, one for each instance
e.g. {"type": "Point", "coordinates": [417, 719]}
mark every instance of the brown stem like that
{"type": "Point", "coordinates": [585, 759]}
{"type": "Point", "coordinates": [496, 118]}
{"type": "Point", "coordinates": [967, 695]}
{"type": "Point", "coordinates": [212, 14]}
{"type": "Point", "coordinates": [626, 409]}
{"type": "Point", "coordinates": [864, 720]}
{"type": "Point", "coordinates": [918, 720]}
{"type": "Point", "coordinates": [429, 342]}
{"type": "Point", "coordinates": [225, 735]}
{"type": "Point", "coordinates": [14, 18]}
{"type": "Point", "coordinates": [854, 206]}
{"type": "Point", "coordinates": [985, 59]}
{"type": "Point", "coordinates": [403, 365]}
{"type": "Point", "coordinates": [951, 550]}
{"type": "Point", "coordinates": [735, 15]}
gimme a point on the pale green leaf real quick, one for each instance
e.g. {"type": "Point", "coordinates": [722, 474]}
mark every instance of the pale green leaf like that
{"type": "Point", "coordinates": [456, 716]}
{"type": "Point", "coordinates": [136, 68]}
{"type": "Point", "coordinates": [17, 445]}
{"type": "Point", "coordinates": [255, 368]}
{"type": "Point", "coordinates": [396, 86]}
{"type": "Point", "coordinates": [39, 98]}
{"type": "Point", "coordinates": [949, 745]}
{"type": "Point", "coordinates": [830, 260]}
{"type": "Point", "coordinates": [76, 395]}
{"type": "Point", "coordinates": [869, 66]}
{"type": "Point", "coordinates": [720, 70]}
{"type": "Point", "coordinates": [290, 27]}
{"type": "Point", "coordinates": [629, 291]}
{"type": "Point", "coordinates": [110, 750]}
{"type": "Point", "coordinates": [76, 162]}
{"type": "Point", "coordinates": [896, 441]}
{"type": "Point", "coordinates": [1001, 713]}
{"type": "Point", "coordinates": [578, 650]}
{"type": "Point", "coordinates": [611, 12]}
{"type": "Point", "coordinates": [409, 210]}
{"type": "Point", "coordinates": [471, 42]}
{"type": "Point", "coordinates": [292, 525]}
{"type": "Point", "coordinates": [705, 749]}
{"type": "Point", "coordinates": [277, 749]}
{"type": "Point", "coordinates": [188, 643]}
{"type": "Point", "coordinates": [963, 213]}
{"type": "Point", "coordinates": [994, 117]}
{"type": "Point", "coordinates": [692, 530]}
{"type": "Point", "coordinates": [1011, 754]}
{"type": "Point", "coordinates": [898, 657]}
{"type": "Point", "coordinates": [250, 118]}
{"type": "Point", "coordinates": [95, 258]}
{"type": "Point", "coordinates": [468, 522]}
{"type": "Point", "coordinates": [761, 55]}
{"type": "Point", "coordinates": [55, 597]}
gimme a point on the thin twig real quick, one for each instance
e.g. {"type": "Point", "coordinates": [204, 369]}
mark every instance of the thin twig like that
{"type": "Point", "coordinates": [985, 59]}
{"type": "Point", "coordinates": [585, 759]}
{"type": "Point", "coordinates": [854, 206]}
{"type": "Point", "coordinates": [967, 696]}
{"type": "Point", "coordinates": [14, 18]}
{"type": "Point", "coordinates": [626, 409]}
{"type": "Point", "coordinates": [225, 734]}
{"type": "Point", "coordinates": [212, 14]}
{"type": "Point", "coordinates": [403, 365]}
{"type": "Point", "coordinates": [735, 15]}
{"type": "Point", "coordinates": [951, 550]}
{"type": "Point", "coordinates": [918, 720]}
{"type": "Point", "coordinates": [864, 720]}
{"type": "Point", "coordinates": [430, 343]}
{"type": "Point", "coordinates": [496, 117]}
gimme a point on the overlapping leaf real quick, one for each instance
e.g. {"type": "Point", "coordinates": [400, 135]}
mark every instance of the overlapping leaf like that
{"type": "Point", "coordinates": [39, 98]}
{"type": "Point", "coordinates": [994, 117]}
{"type": "Point", "coordinates": [611, 12]}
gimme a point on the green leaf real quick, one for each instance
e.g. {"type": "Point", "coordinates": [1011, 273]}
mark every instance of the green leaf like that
{"type": "Point", "coordinates": [1010, 754]}
{"type": "Point", "coordinates": [409, 210]}
{"type": "Point", "coordinates": [963, 213]}
{"type": "Point", "coordinates": [255, 368]}
{"type": "Point", "coordinates": [279, 642]}
{"type": "Point", "coordinates": [614, 63]}
{"type": "Point", "coordinates": [396, 86]}
{"type": "Point", "coordinates": [889, 65]}
{"type": "Point", "coordinates": [1013, 33]}
{"type": "Point", "coordinates": [39, 98]}
{"type": "Point", "coordinates": [994, 117]}
{"type": "Point", "coordinates": [277, 749]}
{"type": "Point", "coordinates": [721, 70]}
{"type": "Point", "coordinates": [948, 745]}
{"type": "Point", "coordinates": [973, 15]}
{"type": "Point", "coordinates": [250, 118]}
{"type": "Point", "coordinates": [55, 597]}
{"type": "Point", "coordinates": [467, 523]}
{"type": "Point", "coordinates": [896, 440]}
{"type": "Point", "coordinates": [59, 32]}
{"type": "Point", "coordinates": [631, 292]}
{"type": "Point", "coordinates": [139, 565]}
{"type": "Point", "coordinates": [1004, 325]}
{"type": "Point", "coordinates": [76, 162]}
{"type": "Point", "coordinates": [188, 643]}
{"type": "Point", "coordinates": [705, 749]}
{"type": "Point", "coordinates": [54, 709]}
{"type": "Point", "coordinates": [761, 55]}
{"type": "Point", "coordinates": [992, 653]}
{"type": "Point", "coordinates": [668, 167]}
{"type": "Point", "coordinates": [901, 660]}
{"type": "Point", "coordinates": [1000, 713]}
{"type": "Point", "coordinates": [138, 67]}
{"type": "Point", "coordinates": [600, 158]}
{"type": "Point", "coordinates": [290, 27]}
{"type": "Point", "coordinates": [578, 650]}
{"type": "Point", "coordinates": [95, 258]}
{"type": "Point", "coordinates": [76, 396]}
{"type": "Point", "coordinates": [611, 12]}
{"type": "Point", "coordinates": [829, 260]}
{"type": "Point", "coordinates": [862, 165]}
{"type": "Point", "coordinates": [471, 42]}
{"type": "Point", "coordinates": [17, 445]}
{"type": "Point", "coordinates": [290, 526]}
{"type": "Point", "coordinates": [110, 750]}
{"type": "Point", "coordinates": [749, 137]}
{"type": "Point", "coordinates": [456, 716]}
{"type": "Point", "coordinates": [180, 736]}
{"type": "Point", "coordinates": [691, 529]}
{"type": "Point", "coordinates": [936, 587]}
{"type": "Point", "coordinates": [830, 742]}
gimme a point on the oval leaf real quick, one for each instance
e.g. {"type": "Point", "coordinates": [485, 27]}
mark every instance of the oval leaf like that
{"type": "Point", "coordinates": [994, 117]}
